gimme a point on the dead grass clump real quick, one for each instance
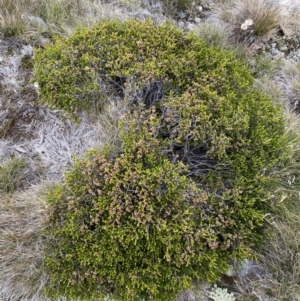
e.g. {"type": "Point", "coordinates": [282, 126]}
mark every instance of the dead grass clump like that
{"type": "Point", "coordinates": [290, 22]}
{"type": "Point", "coordinates": [22, 244]}
{"type": "Point", "coordinates": [62, 16]}
{"type": "Point", "coordinates": [270, 87]}
{"type": "Point", "coordinates": [30, 18]}
{"type": "Point", "coordinates": [283, 84]}
{"type": "Point", "coordinates": [288, 78]}
{"type": "Point", "coordinates": [49, 142]}
{"type": "Point", "coordinates": [262, 65]}
{"type": "Point", "coordinates": [249, 21]}
{"type": "Point", "coordinates": [282, 255]}
{"type": "Point", "coordinates": [215, 34]}
{"type": "Point", "coordinates": [13, 21]}
{"type": "Point", "coordinates": [277, 278]}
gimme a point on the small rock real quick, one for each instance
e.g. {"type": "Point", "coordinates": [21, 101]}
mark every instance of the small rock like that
{"type": "Point", "coordinates": [197, 20]}
{"type": "Point", "coordinates": [288, 29]}
{"type": "Point", "coordinates": [274, 51]}
{"type": "Point", "coordinates": [39, 23]}
{"type": "Point", "coordinates": [291, 54]}
{"type": "Point", "coordinates": [283, 48]}
{"type": "Point", "coordinates": [181, 24]}
{"type": "Point", "coordinates": [142, 15]}
{"type": "Point", "coordinates": [27, 50]}
{"type": "Point", "coordinates": [190, 26]}
{"type": "Point", "coordinates": [279, 54]}
{"type": "Point", "coordinates": [273, 45]}
{"type": "Point", "coordinates": [240, 268]}
{"type": "Point", "coordinates": [44, 41]}
{"type": "Point", "coordinates": [182, 15]}
{"type": "Point", "coordinates": [199, 8]}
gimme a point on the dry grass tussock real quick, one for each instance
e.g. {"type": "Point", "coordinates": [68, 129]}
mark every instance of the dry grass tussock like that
{"type": "Point", "coordinates": [55, 16]}
{"type": "Point", "coordinates": [288, 78]}
{"type": "Point", "coordinates": [233, 14]}
{"type": "Point", "coordinates": [277, 276]}
{"type": "Point", "coordinates": [216, 35]}
{"type": "Point", "coordinates": [22, 244]}
{"type": "Point", "coordinates": [283, 85]}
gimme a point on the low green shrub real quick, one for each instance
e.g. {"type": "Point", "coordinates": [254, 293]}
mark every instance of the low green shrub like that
{"type": "Point", "coordinates": [73, 73]}
{"type": "Point", "coordinates": [230, 146]}
{"type": "Point", "coordinates": [139, 224]}
{"type": "Point", "coordinates": [189, 188]}
{"type": "Point", "coordinates": [130, 227]}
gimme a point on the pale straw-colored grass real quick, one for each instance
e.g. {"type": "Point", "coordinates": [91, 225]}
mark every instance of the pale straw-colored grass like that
{"type": "Point", "coordinates": [56, 16]}
{"type": "Point", "coordinates": [22, 244]}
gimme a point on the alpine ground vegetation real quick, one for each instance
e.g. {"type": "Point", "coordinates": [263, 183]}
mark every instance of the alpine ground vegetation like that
{"type": "Point", "coordinates": [189, 188]}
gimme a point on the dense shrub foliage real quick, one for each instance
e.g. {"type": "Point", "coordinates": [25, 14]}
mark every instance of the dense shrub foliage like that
{"type": "Point", "coordinates": [131, 226]}
{"type": "Point", "coordinates": [73, 73]}
{"type": "Point", "coordinates": [187, 191]}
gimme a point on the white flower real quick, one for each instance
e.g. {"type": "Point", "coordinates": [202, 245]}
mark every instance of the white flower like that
{"type": "Point", "coordinates": [220, 294]}
{"type": "Point", "coordinates": [244, 26]}
{"type": "Point", "coordinates": [249, 22]}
